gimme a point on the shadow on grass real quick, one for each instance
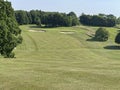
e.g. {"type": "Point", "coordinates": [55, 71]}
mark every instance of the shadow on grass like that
{"type": "Point", "coordinates": [34, 26]}
{"type": "Point", "coordinates": [43, 26]}
{"type": "Point", "coordinates": [112, 47]}
{"type": "Point", "coordinates": [93, 40]}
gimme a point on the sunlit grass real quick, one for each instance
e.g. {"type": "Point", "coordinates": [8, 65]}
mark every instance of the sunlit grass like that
{"type": "Point", "coordinates": [55, 61]}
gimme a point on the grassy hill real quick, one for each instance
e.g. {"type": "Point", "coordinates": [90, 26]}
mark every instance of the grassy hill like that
{"type": "Point", "coordinates": [63, 58]}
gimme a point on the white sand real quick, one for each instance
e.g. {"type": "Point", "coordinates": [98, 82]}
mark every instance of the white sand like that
{"type": "Point", "coordinates": [67, 32]}
{"type": "Point", "coordinates": [37, 31]}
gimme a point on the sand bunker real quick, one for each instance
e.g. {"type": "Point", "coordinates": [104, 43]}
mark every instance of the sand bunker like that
{"type": "Point", "coordinates": [67, 32]}
{"type": "Point", "coordinates": [37, 30]}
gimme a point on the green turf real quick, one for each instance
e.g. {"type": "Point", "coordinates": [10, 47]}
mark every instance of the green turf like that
{"type": "Point", "coordinates": [55, 61]}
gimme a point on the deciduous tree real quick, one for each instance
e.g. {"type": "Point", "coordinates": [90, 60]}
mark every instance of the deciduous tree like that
{"type": "Point", "coordinates": [101, 34]}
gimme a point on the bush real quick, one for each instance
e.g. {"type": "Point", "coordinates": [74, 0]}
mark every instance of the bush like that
{"type": "Point", "coordinates": [101, 34]}
{"type": "Point", "coordinates": [117, 39]}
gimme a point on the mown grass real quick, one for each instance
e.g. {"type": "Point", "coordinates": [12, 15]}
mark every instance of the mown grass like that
{"type": "Point", "coordinates": [55, 61]}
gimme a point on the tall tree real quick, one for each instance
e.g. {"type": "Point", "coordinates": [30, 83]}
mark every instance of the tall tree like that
{"type": "Point", "coordinates": [22, 17]}
{"type": "Point", "coordinates": [75, 20]}
{"type": "Point", "coordinates": [9, 31]}
{"type": "Point", "coordinates": [38, 22]}
{"type": "Point", "coordinates": [34, 16]}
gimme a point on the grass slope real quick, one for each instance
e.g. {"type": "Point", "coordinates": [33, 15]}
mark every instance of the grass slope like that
{"type": "Point", "coordinates": [54, 61]}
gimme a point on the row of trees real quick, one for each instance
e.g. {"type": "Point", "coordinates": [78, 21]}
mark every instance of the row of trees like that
{"type": "Point", "coordinates": [51, 19]}
{"type": "Point", "coordinates": [98, 20]}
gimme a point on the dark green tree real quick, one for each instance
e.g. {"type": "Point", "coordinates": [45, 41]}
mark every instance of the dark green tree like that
{"type": "Point", "coordinates": [98, 20]}
{"type": "Point", "coordinates": [85, 19]}
{"type": "Point", "coordinates": [38, 22]}
{"type": "Point", "coordinates": [75, 20]}
{"type": "Point", "coordinates": [10, 34]}
{"type": "Point", "coordinates": [118, 20]}
{"type": "Point", "coordinates": [29, 18]}
{"type": "Point", "coordinates": [72, 14]}
{"type": "Point", "coordinates": [101, 34]}
{"type": "Point", "coordinates": [22, 17]}
{"type": "Point", "coordinates": [49, 19]}
{"type": "Point", "coordinates": [117, 38]}
{"type": "Point", "coordinates": [34, 16]}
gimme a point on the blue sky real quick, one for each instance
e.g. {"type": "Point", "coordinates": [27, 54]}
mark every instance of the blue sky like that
{"type": "Point", "coordinates": [78, 6]}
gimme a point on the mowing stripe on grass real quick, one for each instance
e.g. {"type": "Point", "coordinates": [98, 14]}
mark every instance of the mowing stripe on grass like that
{"type": "Point", "coordinates": [34, 43]}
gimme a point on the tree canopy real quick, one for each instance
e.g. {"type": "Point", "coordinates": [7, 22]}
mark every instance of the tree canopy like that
{"type": "Point", "coordinates": [98, 20]}
{"type": "Point", "coordinates": [50, 19]}
{"type": "Point", "coordinates": [117, 38]}
{"type": "Point", "coordinates": [101, 34]}
{"type": "Point", "coordinates": [9, 31]}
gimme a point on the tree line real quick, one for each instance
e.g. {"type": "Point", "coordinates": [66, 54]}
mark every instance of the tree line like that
{"type": "Point", "coordinates": [53, 19]}
{"type": "Point", "coordinates": [50, 19]}
{"type": "Point", "coordinates": [99, 20]}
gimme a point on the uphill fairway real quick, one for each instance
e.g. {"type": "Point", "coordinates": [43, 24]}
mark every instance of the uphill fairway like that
{"type": "Point", "coordinates": [52, 60]}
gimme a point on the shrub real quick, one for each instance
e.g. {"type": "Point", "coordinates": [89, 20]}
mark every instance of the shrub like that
{"type": "Point", "coordinates": [101, 34]}
{"type": "Point", "coordinates": [117, 39]}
